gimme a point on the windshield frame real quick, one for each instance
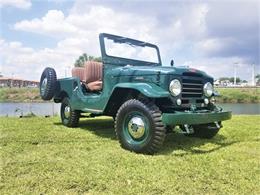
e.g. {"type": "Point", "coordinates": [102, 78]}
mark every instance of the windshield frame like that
{"type": "Point", "coordinates": [125, 61]}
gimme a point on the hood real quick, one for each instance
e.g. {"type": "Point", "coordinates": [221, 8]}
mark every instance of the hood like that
{"type": "Point", "coordinates": [154, 70]}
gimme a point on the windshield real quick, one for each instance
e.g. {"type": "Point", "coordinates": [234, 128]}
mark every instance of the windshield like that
{"type": "Point", "coordinates": [126, 49]}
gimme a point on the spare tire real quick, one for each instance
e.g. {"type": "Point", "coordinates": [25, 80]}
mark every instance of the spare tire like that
{"type": "Point", "coordinates": [48, 83]}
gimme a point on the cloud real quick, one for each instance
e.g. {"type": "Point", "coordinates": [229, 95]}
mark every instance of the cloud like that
{"type": "Point", "coordinates": [52, 24]}
{"type": "Point", "coordinates": [26, 62]}
{"type": "Point", "coordinates": [22, 4]}
{"type": "Point", "coordinates": [233, 30]}
{"type": "Point", "coordinates": [206, 35]}
{"type": "Point", "coordinates": [77, 33]}
{"type": "Point", "coordinates": [97, 19]}
{"type": "Point", "coordinates": [222, 66]}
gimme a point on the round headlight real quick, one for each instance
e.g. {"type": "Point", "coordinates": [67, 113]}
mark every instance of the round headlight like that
{"type": "Point", "coordinates": [208, 89]}
{"type": "Point", "coordinates": [175, 87]}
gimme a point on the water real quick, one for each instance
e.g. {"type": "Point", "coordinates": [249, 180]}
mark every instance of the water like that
{"type": "Point", "coordinates": [251, 108]}
{"type": "Point", "coordinates": [50, 109]}
{"type": "Point", "coordinates": [22, 109]}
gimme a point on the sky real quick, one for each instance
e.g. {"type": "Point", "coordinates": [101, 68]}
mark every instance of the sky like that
{"type": "Point", "coordinates": [213, 36]}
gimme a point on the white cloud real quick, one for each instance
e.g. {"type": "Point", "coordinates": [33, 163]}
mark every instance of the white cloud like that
{"type": "Point", "coordinates": [186, 37]}
{"type": "Point", "coordinates": [97, 19]}
{"type": "Point", "coordinates": [22, 4]}
{"type": "Point", "coordinates": [78, 33]}
{"type": "Point", "coordinates": [52, 24]}
{"type": "Point", "coordinates": [25, 62]}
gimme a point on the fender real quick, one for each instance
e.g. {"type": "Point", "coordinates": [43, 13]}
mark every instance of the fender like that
{"type": "Point", "coordinates": [148, 89]}
{"type": "Point", "coordinates": [66, 85]}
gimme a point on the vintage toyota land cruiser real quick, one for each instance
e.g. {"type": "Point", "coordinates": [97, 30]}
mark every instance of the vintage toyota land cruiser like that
{"type": "Point", "coordinates": [145, 98]}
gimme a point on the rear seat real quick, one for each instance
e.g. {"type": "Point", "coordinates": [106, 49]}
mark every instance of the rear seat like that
{"type": "Point", "coordinates": [90, 75]}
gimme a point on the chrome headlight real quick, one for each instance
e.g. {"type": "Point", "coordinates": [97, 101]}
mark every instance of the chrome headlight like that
{"type": "Point", "coordinates": [175, 87]}
{"type": "Point", "coordinates": [208, 89]}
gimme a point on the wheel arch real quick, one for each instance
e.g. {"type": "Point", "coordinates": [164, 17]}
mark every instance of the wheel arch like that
{"type": "Point", "coordinates": [125, 91]}
{"type": "Point", "coordinates": [118, 97]}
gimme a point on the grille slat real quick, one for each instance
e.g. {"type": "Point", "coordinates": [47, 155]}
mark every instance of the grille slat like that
{"type": "Point", "coordinates": [196, 84]}
{"type": "Point", "coordinates": [191, 93]}
{"type": "Point", "coordinates": [192, 85]}
{"type": "Point", "coordinates": [187, 88]}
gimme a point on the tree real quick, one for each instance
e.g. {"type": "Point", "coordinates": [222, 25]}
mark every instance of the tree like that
{"type": "Point", "coordinates": [257, 79]}
{"type": "Point", "coordinates": [232, 80]}
{"type": "Point", "coordinates": [223, 78]}
{"type": "Point", "coordinates": [84, 58]}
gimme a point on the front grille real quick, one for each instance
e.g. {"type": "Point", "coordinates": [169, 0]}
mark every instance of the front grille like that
{"type": "Point", "coordinates": [192, 86]}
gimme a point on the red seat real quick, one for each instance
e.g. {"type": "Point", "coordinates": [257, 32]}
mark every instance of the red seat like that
{"type": "Point", "coordinates": [79, 72]}
{"type": "Point", "coordinates": [91, 75]}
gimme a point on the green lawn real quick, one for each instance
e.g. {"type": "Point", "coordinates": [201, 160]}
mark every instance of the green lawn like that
{"type": "Point", "coordinates": [239, 95]}
{"type": "Point", "coordinates": [40, 156]}
{"type": "Point", "coordinates": [20, 95]}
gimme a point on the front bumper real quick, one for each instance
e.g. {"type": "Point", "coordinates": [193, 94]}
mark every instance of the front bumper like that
{"type": "Point", "coordinates": [194, 118]}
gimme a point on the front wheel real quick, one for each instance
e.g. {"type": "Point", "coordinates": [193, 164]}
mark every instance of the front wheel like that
{"type": "Point", "coordinates": [205, 131]}
{"type": "Point", "coordinates": [139, 127]}
{"type": "Point", "coordinates": [69, 117]}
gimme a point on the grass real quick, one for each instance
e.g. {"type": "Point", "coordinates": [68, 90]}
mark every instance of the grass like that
{"type": "Point", "coordinates": [20, 95]}
{"type": "Point", "coordinates": [239, 95]}
{"type": "Point", "coordinates": [40, 156]}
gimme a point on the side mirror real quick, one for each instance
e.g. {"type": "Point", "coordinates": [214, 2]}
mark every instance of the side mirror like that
{"type": "Point", "coordinates": [172, 62]}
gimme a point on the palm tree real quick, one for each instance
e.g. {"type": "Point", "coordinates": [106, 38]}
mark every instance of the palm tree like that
{"type": "Point", "coordinates": [257, 79]}
{"type": "Point", "coordinates": [84, 58]}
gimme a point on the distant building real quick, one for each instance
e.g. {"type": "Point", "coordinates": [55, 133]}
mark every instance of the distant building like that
{"type": "Point", "coordinates": [225, 83]}
{"type": "Point", "coordinates": [15, 82]}
{"type": "Point", "coordinates": [217, 82]}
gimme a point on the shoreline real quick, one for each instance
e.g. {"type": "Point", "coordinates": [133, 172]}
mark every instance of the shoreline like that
{"type": "Point", "coordinates": [227, 95]}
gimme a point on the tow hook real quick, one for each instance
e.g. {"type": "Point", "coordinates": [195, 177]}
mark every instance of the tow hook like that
{"type": "Point", "coordinates": [218, 125]}
{"type": "Point", "coordinates": [188, 129]}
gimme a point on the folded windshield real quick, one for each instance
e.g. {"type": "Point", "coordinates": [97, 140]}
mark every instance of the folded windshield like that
{"type": "Point", "coordinates": [131, 50]}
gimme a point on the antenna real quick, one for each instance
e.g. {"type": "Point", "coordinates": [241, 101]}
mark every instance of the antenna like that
{"type": "Point", "coordinates": [235, 72]}
{"type": "Point", "coordinates": [253, 74]}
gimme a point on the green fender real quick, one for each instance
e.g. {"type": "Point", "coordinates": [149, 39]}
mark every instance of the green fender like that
{"type": "Point", "coordinates": [148, 89]}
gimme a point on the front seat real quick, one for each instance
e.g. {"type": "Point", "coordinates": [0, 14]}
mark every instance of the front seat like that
{"type": "Point", "coordinates": [90, 75]}
{"type": "Point", "coordinates": [94, 73]}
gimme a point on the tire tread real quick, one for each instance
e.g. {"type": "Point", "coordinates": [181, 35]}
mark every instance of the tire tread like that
{"type": "Point", "coordinates": [159, 131]}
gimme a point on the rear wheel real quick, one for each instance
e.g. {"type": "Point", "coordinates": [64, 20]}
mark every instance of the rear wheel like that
{"type": "Point", "coordinates": [69, 117]}
{"type": "Point", "coordinates": [139, 127]}
{"type": "Point", "coordinates": [48, 83]}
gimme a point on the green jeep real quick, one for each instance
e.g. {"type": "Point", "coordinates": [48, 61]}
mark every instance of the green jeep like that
{"type": "Point", "coordinates": [145, 98]}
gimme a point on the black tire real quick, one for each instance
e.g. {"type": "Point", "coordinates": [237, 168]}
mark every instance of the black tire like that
{"type": "Point", "coordinates": [69, 117]}
{"type": "Point", "coordinates": [146, 138]}
{"type": "Point", "coordinates": [206, 131]}
{"type": "Point", "coordinates": [48, 83]}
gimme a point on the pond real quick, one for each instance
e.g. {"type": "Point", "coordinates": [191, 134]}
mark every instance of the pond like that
{"type": "Point", "coordinates": [22, 109]}
{"type": "Point", "coordinates": [50, 109]}
{"type": "Point", "coordinates": [251, 108]}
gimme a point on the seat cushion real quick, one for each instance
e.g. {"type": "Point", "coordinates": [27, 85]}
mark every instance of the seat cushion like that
{"type": "Point", "coordinates": [94, 86]}
{"type": "Point", "coordinates": [93, 71]}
